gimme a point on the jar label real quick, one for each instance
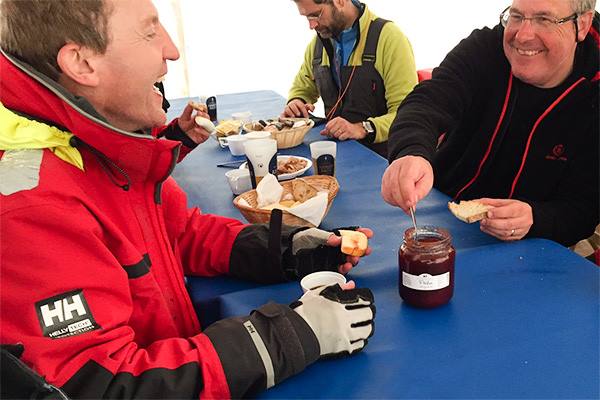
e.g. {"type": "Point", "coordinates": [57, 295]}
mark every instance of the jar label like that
{"type": "Point", "coordinates": [426, 281]}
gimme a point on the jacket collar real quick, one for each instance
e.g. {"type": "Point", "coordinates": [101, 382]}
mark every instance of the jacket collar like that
{"type": "Point", "coordinates": [28, 92]}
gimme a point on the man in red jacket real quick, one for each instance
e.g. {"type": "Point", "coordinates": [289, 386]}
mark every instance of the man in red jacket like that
{"type": "Point", "coordinates": [96, 236]}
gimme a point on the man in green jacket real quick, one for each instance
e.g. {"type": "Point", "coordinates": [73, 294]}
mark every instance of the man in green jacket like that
{"type": "Point", "coordinates": [363, 75]}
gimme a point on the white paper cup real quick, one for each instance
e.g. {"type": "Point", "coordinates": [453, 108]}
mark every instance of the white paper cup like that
{"type": "Point", "coordinates": [244, 116]}
{"type": "Point", "coordinates": [321, 278]}
{"type": "Point", "coordinates": [239, 180]}
{"type": "Point", "coordinates": [253, 135]}
{"type": "Point", "coordinates": [236, 144]}
{"type": "Point", "coordinates": [323, 155]}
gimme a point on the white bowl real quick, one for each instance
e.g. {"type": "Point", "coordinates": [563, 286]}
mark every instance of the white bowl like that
{"type": "Point", "coordinates": [321, 278]}
{"type": "Point", "coordinates": [236, 144]}
{"type": "Point", "coordinates": [239, 181]}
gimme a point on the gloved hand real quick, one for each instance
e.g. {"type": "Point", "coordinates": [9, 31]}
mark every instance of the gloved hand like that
{"type": "Point", "coordinates": [342, 320]}
{"type": "Point", "coordinates": [317, 250]}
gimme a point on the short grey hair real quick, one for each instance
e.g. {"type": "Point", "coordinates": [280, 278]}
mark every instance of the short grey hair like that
{"type": "Point", "coordinates": [323, 1]}
{"type": "Point", "coordinates": [582, 6]}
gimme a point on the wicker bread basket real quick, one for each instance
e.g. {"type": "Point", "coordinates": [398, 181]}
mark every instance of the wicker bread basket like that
{"type": "Point", "coordinates": [289, 137]}
{"type": "Point", "coordinates": [257, 216]}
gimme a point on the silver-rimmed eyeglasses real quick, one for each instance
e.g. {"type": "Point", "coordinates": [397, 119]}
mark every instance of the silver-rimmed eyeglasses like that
{"type": "Point", "coordinates": [315, 18]}
{"type": "Point", "coordinates": [542, 23]}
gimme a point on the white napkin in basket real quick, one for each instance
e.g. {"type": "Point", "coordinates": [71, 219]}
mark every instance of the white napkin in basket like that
{"type": "Point", "coordinates": [312, 210]}
{"type": "Point", "coordinates": [268, 191]}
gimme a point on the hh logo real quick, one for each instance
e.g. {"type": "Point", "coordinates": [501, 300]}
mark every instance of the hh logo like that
{"type": "Point", "coordinates": [557, 154]}
{"type": "Point", "coordinates": [67, 314]}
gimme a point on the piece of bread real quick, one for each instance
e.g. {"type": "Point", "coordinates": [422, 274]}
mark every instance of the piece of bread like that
{"type": "Point", "coordinates": [200, 107]}
{"type": "Point", "coordinates": [354, 243]}
{"type": "Point", "coordinates": [302, 190]}
{"type": "Point", "coordinates": [469, 211]}
{"type": "Point", "coordinates": [287, 203]}
{"type": "Point", "coordinates": [273, 206]}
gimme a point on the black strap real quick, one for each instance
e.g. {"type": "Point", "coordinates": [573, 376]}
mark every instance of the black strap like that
{"type": "Point", "coordinates": [274, 245]}
{"type": "Point", "coordinates": [318, 54]}
{"type": "Point", "coordinates": [370, 52]}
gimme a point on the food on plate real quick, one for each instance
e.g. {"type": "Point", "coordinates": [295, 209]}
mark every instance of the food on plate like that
{"type": "Point", "coordinates": [200, 107]}
{"type": "Point", "coordinates": [256, 126]}
{"type": "Point", "coordinates": [302, 190]}
{"type": "Point", "coordinates": [276, 125]}
{"type": "Point", "coordinates": [354, 243]}
{"type": "Point", "coordinates": [205, 124]}
{"type": "Point", "coordinates": [469, 211]}
{"type": "Point", "coordinates": [290, 165]}
{"type": "Point", "coordinates": [228, 127]}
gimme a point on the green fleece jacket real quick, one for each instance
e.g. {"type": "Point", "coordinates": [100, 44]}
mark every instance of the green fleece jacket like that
{"type": "Point", "coordinates": [395, 63]}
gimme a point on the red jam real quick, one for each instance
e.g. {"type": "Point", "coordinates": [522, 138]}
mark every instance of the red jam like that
{"type": "Point", "coordinates": [426, 267]}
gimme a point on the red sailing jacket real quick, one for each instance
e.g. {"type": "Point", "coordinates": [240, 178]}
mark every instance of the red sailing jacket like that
{"type": "Point", "coordinates": [93, 260]}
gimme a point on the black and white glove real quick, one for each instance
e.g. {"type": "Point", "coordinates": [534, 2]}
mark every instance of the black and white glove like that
{"type": "Point", "coordinates": [342, 320]}
{"type": "Point", "coordinates": [277, 252]}
{"type": "Point", "coordinates": [310, 253]}
{"type": "Point", "coordinates": [276, 341]}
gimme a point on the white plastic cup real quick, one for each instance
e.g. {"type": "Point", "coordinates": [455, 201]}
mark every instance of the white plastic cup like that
{"type": "Point", "coordinates": [244, 116]}
{"type": "Point", "coordinates": [253, 135]}
{"type": "Point", "coordinates": [262, 158]}
{"type": "Point", "coordinates": [323, 155]}
{"type": "Point", "coordinates": [321, 278]}
{"type": "Point", "coordinates": [236, 144]}
{"type": "Point", "coordinates": [239, 180]}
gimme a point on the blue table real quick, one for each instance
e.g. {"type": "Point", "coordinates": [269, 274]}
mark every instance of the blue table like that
{"type": "Point", "coordinates": [523, 322]}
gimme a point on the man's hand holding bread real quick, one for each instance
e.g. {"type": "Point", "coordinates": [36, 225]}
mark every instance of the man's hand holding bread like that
{"type": "Point", "coordinates": [353, 244]}
{"type": "Point", "coordinates": [410, 178]}
{"type": "Point", "coordinates": [187, 122]}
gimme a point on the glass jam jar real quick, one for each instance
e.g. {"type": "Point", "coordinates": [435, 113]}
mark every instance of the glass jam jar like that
{"type": "Point", "coordinates": [426, 267]}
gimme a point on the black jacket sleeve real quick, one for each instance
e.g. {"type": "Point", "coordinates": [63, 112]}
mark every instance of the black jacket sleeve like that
{"type": "Point", "coordinates": [263, 349]}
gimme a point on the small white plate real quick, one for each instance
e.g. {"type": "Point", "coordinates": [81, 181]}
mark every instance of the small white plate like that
{"type": "Point", "coordinates": [292, 175]}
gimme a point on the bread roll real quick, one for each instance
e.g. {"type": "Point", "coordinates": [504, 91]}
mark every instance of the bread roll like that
{"type": "Point", "coordinates": [200, 107]}
{"type": "Point", "coordinates": [354, 243]}
{"type": "Point", "coordinates": [469, 211]}
{"type": "Point", "coordinates": [302, 191]}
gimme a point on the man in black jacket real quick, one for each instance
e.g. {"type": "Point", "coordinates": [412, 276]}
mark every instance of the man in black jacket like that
{"type": "Point", "coordinates": [510, 117]}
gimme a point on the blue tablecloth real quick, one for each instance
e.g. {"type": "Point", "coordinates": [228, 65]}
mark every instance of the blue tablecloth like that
{"type": "Point", "coordinates": [523, 322]}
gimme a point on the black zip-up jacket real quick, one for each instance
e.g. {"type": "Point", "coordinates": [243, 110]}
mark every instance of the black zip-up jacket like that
{"type": "Point", "coordinates": [507, 139]}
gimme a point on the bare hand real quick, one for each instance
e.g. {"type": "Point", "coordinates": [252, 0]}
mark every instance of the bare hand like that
{"type": "Point", "coordinates": [406, 181]}
{"type": "Point", "coordinates": [341, 129]}
{"type": "Point", "coordinates": [509, 220]}
{"type": "Point", "coordinates": [188, 124]}
{"type": "Point", "coordinates": [351, 261]}
{"type": "Point", "coordinates": [297, 109]}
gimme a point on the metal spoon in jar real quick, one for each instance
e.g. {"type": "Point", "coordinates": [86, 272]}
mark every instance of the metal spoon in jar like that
{"type": "Point", "coordinates": [414, 221]}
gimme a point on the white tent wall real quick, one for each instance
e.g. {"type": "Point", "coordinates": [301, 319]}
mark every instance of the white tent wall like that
{"type": "Point", "coordinates": [243, 45]}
